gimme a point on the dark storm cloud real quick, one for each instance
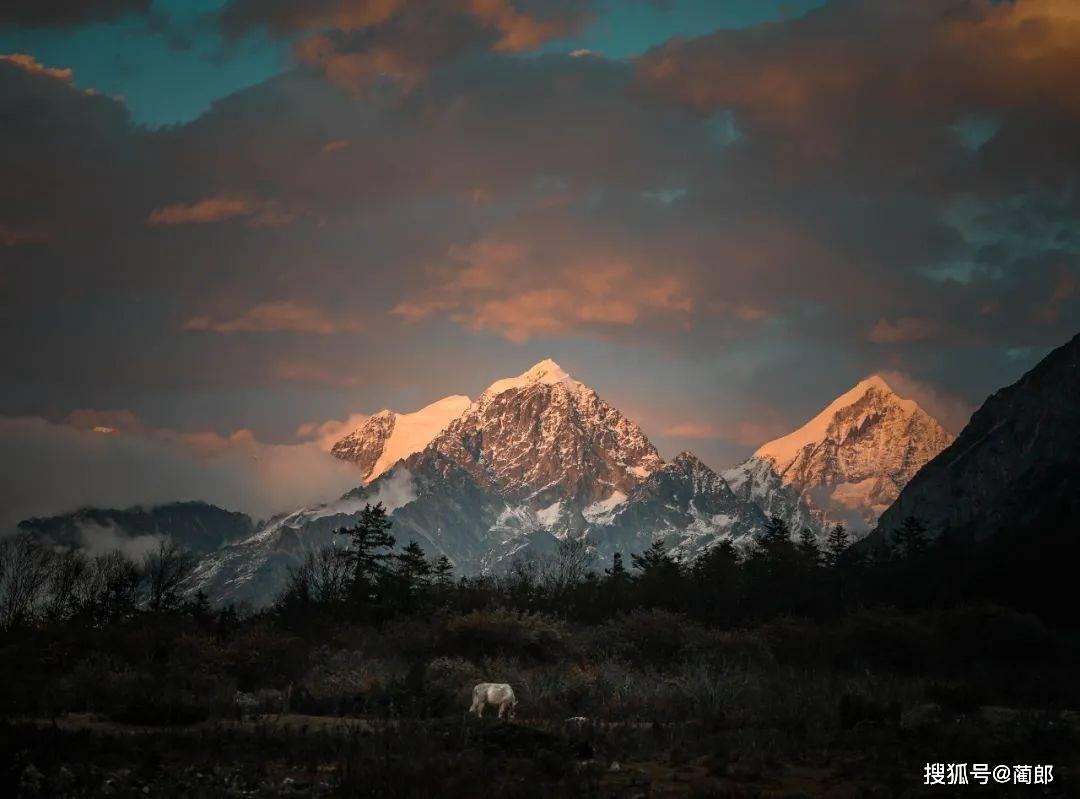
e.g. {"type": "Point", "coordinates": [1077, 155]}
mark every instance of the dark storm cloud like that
{"type": "Point", "coordinates": [66, 13]}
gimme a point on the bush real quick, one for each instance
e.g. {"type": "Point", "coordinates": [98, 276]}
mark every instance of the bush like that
{"type": "Point", "coordinates": [265, 657]}
{"type": "Point", "coordinates": [656, 636]}
{"type": "Point", "coordinates": [346, 682]}
{"type": "Point", "coordinates": [506, 633]}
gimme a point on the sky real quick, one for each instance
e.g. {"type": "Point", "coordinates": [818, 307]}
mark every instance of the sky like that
{"type": "Point", "coordinates": [226, 225]}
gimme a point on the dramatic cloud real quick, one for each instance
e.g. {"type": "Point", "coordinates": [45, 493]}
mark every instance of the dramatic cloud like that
{"type": "Point", "coordinates": [500, 286]}
{"type": "Point", "coordinates": [357, 43]}
{"type": "Point", "coordinates": [722, 235]}
{"type": "Point", "coordinates": [844, 84]}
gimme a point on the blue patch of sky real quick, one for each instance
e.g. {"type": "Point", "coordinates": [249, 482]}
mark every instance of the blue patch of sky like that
{"type": "Point", "coordinates": [975, 131]}
{"type": "Point", "coordinates": [168, 67]}
{"type": "Point", "coordinates": [627, 28]}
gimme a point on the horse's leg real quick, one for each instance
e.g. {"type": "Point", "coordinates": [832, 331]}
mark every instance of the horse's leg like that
{"type": "Point", "coordinates": [502, 709]}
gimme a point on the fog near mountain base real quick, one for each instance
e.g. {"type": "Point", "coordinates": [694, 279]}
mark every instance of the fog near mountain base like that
{"type": "Point", "coordinates": [50, 468]}
{"type": "Point", "coordinates": [394, 491]}
{"type": "Point", "coordinates": [100, 539]}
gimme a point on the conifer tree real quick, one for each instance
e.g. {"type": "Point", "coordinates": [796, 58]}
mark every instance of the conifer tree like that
{"type": "Point", "coordinates": [836, 546]}
{"type": "Point", "coordinates": [910, 537]}
{"type": "Point", "coordinates": [775, 544]}
{"type": "Point", "coordinates": [655, 561]}
{"type": "Point", "coordinates": [618, 570]}
{"type": "Point", "coordinates": [370, 546]}
{"type": "Point", "coordinates": [809, 548]}
{"type": "Point", "coordinates": [716, 563]}
{"type": "Point", "coordinates": [443, 572]}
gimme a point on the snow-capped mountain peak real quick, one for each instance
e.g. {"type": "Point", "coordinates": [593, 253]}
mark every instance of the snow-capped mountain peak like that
{"type": "Point", "coordinates": [783, 451]}
{"type": "Point", "coordinates": [543, 436]}
{"type": "Point", "coordinates": [848, 463]}
{"type": "Point", "coordinates": [387, 437]}
{"type": "Point", "coordinates": [546, 372]}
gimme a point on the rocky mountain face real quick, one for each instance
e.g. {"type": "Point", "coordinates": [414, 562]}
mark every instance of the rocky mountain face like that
{"type": "Point", "coordinates": [537, 458]}
{"type": "Point", "coordinates": [847, 464]}
{"type": "Point", "coordinates": [1013, 468]}
{"type": "Point", "coordinates": [543, 438]}
{"type": "Point", "coordinates": [195, 526]}
{"type": "Point", "coordinates": [364, 445]}
{"type": "Point", "coordinates": [686, 503]}
{"type": "Point", "coordinates": [541, 457]}
{"type": "Point", "coordinates": [386, 437]}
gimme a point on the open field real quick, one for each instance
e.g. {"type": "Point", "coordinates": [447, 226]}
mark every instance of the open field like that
{"type": "Point", "coordinates": [292, 754]}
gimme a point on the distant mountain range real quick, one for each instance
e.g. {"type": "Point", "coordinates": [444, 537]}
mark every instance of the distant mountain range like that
{"type": "Point", "coordinates": [540, 457]}
{"type": "Point", "coordinates": [196, 526]}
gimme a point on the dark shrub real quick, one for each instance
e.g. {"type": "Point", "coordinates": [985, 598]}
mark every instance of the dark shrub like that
{"type": "Point", "coordinates": [505, 633]}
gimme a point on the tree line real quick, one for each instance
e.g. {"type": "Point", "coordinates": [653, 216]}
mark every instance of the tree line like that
{"type": "Point", "coordinates": [43, 585]}
{"type": "Point", "coordinates": [369, 579]}
{"type": "Point", "coordinates": [779, 573]}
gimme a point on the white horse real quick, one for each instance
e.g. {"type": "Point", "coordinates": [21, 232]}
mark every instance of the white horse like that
{"type": "Point", "coordinates": [493, 693]}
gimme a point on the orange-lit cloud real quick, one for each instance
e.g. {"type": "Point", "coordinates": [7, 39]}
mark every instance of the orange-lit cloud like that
{"type": "Point", "coordinates": [220, 208]}
{"type": "Point", "coordinates": [28, 63]}
{"type": "Point", "coordinates": [518, 32]}
{"type": "Point", "coordinates": [749, 433]}
{"type": "Point", "coordinates": [357, 43]}
{"type": "Point", "coordinates": [275, 317]}
{"type": "Point", "coordinates": [841, 82]}
{"type": "Point", "coordinates": [498, 286]}
{"type": "Point", "coordinates": [905, 328]}
{"type": "Point", "coordinates": [699, 430]}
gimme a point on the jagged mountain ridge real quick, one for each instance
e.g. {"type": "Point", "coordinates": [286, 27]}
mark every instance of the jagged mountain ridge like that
{"type": "Point", "coordinates": [1013, 468]}
{"type": "Point", "coordinates": [541, 457]}
{"type": "Point", "coordinates": [847, 464]}
{"type": "Point", "coordinates": [536, 458]}
{"type": "Point", "coordinates": [545, 437]}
